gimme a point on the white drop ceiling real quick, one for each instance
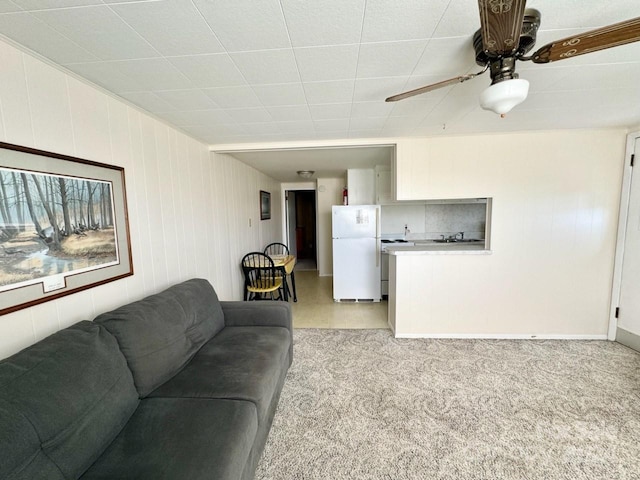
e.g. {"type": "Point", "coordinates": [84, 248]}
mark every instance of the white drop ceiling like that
{"type": "Point", "coordinates": [249, 71]}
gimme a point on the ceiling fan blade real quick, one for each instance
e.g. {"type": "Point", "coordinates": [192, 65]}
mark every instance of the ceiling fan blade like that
{"type": "Point", "coordinates": [501, 25]}
{"type": "Point", "coordinates": [592, 41]}
{"type": "Point", "coordinates": [433, 86]}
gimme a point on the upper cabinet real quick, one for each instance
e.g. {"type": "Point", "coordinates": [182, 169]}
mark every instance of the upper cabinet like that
{"type": "Point", "coordinates": [384, 189]}
{"type": "Point", "coordinates": [361, 186]}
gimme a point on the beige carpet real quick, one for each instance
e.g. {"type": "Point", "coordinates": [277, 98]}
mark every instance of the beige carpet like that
{"type": "Point", "coordinates": [359, 404]}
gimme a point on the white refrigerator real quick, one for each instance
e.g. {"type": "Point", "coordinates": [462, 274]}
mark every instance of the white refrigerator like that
{"type": "Point", "coordinates": [356, 253]}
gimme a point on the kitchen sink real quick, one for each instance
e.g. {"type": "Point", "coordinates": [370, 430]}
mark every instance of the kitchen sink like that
{"type": "Point", "coordinates": [456, 240]}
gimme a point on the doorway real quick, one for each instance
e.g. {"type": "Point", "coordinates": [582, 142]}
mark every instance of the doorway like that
{"type": "Point", "coordinates": [301, 227]}
{"type": "Point", "coordinates": [626, 311]}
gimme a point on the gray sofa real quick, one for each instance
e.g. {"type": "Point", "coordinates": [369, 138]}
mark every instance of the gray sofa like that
{"type": "Point", "coordinates": [175, 386]}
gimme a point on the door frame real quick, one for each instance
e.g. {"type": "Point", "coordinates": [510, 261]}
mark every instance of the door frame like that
{"type": "Point", "coordinates": [284, 188]}
{"type": "Point", "coordinates": [625, 196]}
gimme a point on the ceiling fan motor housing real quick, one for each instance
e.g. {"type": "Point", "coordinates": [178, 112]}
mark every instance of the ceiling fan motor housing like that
{"type": "Point", "coordinates": [530, 25]}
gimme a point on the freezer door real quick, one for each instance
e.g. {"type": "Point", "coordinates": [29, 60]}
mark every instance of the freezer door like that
{"type": "Point", "coordinates": [356, 221]}
{"type": "Point", "coordinates": [356, 269]}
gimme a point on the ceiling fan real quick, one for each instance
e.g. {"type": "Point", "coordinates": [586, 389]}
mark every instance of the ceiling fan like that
{"type": "Point", "coordinates": [507, 33]}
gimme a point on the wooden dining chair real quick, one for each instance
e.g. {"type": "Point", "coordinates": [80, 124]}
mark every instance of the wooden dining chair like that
{"type": "Point", "coordinates": [261, 279]}
{"type": "Point", "coordinates": [278, 248]}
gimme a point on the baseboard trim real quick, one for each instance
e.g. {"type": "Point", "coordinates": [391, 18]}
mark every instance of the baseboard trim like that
{"type": "Point", "coordinates": [502, 336]}
{"type": "Point", "coordinates": [628, 339]}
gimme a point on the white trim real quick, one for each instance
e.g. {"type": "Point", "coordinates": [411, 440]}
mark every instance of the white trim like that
{"type": "Point", "coordinates": [283, 202]}
{"type": "Point", "coordinates": [501, 336]}
{"type": "Point", "coordinates": [622, 232]}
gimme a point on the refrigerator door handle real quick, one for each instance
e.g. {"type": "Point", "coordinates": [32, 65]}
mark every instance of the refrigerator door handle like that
{"type": "Point", "coordinates": [377, 253]}
{"type": "Point", "coordinates": [377, 221]}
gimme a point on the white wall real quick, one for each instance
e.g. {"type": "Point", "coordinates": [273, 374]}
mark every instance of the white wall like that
{"type": "Point", "coordinates": [328, 194]}
{"type": "Point", "coordinates": [555, 207]}
{"type": "Point", "coordinates": [188, 212]}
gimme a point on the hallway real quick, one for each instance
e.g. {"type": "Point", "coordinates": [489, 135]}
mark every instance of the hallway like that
{"type": "Point", "coordinates": [315, 307]}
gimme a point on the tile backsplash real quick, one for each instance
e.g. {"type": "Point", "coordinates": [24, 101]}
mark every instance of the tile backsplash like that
{"type": "Point", "coordinates": [432, 220]}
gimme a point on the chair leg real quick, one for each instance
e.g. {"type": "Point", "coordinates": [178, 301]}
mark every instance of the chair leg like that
{"type": "Point", "coordinates": [293, 284]}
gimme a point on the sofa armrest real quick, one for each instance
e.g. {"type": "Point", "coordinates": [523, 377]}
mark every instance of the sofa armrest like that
{"type": "Point", "coordinates": [257, 314]}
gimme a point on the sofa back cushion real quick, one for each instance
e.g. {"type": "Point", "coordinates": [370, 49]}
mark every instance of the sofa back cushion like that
{"type": "Point", "coordinates": [62, 402]}
{"type": "Point", "coordinates": [161, 333]}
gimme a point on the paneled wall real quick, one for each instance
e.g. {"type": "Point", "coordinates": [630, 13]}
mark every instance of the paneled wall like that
{"type": "Point", "coordinates": [189, 210]}
{"type": "Point", "coordinates": [553, 234]}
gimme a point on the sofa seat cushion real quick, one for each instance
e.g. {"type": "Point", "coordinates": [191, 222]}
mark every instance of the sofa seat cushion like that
{"type": "Point", "coordinates": [62, 402]}
{"type": "Point", "coordinates": [159, 334]}
{"type": "Point", "coordinates": [240, 362]}
{"type": "Point", "coordinates": [180, 438]}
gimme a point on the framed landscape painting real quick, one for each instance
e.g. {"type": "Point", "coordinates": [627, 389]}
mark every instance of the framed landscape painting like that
{"type": "Point", "coordinates": [63, 226]}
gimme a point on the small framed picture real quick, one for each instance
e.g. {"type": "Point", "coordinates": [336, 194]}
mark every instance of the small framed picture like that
{"type": "Point", "coordinates": [265, 205]}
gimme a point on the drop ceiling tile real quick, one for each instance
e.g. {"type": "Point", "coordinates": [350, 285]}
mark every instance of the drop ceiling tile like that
{"type": "Point", "coordinates": [389, 59]}
{"type": "Point", "coordinates": [199, 117]}
{"type": "Point", "coordinates": [250, 115]}
{"type": "Point", "coordinates": [337, 125]}
{"type": "Point", "coordinates": [172, 27]}
{"type": "Point", "coordinates": [404, 123]}
{"type": "Point", "coordinates": [330, 111]}
{"type": "Point", "coordinates": [372, 133]}
{"type": "Point", "coordinates": [401, 19]}
{"type": "Point", "coordinates": [414, 107]}
{"type": "Point", "coordinates": [153, 74]}
{"type": "Point", "coordinates": [280, 94]}
{"type": "Point", "coordinates": [99, 30]}
{"type": "Point", "coordinates": [187, 99]}
{"type": "Point", "coordinates": [267, 66]}
{"type": "Point", "coordinates": [211, 134]}
{"type": "Point", "coordinates": [459, 19]}
{"type": "Point", "coordinates": [148, 101]}
{"type": "Point", "coordinates": [261, 128]}
{"type": "Point", "coordinates": [216, 70]}
{"type": "Point", "coordinates": [323, 22]}
{"type": "Point", "coordinates": [290, 113]}
{"type": "Point", "coordinates": [337, 91]}
{"type": "Point", "coordinates": [371, 109]}
{"type": "Point", "coordinates": [7, 6]}
{"type": "Point", "coordinates": [377, 89]}
{"type": "Point", "coordinates": [449, 57]}
{"type": "Point", "coordinates": [29, 31]}
{"type": "Point", "coordinates": [327, 63]}
{"type": "Point", "coordinates": [107, 75]}
{"type": "Point", "coordinates": [233, 97]}
{"type": "Point", "coordinates": [49, 4]}
{"type": "Point", "coordinates": [305, 127]}
{"type": "Point", "coordinates": [367, 123]}
{"type": "Point", "coordinates": [244, 25]}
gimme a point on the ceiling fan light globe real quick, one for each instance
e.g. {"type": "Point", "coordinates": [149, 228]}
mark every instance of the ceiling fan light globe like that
{"type": "Point", "coordinates": [501, 97]}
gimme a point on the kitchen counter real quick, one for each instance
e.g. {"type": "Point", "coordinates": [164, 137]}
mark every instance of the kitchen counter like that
{"type": "Point", "coordinates": [435, 248]}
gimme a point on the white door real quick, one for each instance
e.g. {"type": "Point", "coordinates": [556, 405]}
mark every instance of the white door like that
{"type": "Point", "coordinates": [629, 305]}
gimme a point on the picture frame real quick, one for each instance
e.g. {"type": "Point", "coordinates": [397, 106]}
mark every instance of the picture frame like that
{"type": "Point", "coordinates": [265, 205]}
{"type": "Point", "coordinates": [64, 226]}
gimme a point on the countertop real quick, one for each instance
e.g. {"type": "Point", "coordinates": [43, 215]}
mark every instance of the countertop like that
{"type": "Point", "coordinates": [423, 247]}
